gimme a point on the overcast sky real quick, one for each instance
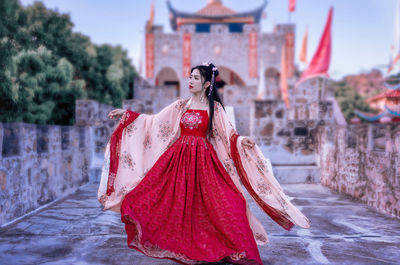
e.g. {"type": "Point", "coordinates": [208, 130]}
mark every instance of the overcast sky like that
{"type": "Point", "coordinates": [362, 29]}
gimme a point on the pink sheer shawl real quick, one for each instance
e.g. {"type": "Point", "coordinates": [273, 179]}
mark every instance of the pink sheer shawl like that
{"type": "Point", "coordinates": [139, 141]}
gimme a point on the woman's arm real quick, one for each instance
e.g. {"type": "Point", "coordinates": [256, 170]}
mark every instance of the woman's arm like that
{"type": "Point", "coordinates": [150, 126]}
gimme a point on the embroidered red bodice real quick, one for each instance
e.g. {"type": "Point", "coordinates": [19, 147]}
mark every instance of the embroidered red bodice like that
{"type": "Point", "coordinates": [194, 122]}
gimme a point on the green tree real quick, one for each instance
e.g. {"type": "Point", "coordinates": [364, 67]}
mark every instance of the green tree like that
{"type": "Point", "coordinates": [45, 91]}
{"type": "Point", "coordinates": [8, 47]}
{"type": "Point", "coordinates": [349, 99]}
{"type": "Point", "coordinates": [45, 66]}
{"type": "Point", "coordinates": [110, 80]}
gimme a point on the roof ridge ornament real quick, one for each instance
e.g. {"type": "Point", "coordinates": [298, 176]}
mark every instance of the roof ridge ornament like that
{"type": "Point", "coordinates": [214, 1]}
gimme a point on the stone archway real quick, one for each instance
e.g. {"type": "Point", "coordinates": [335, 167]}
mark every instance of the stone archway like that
{"type": "Point", "coordinates": [168, 77]}
{"type": "Point", "coordinates": [230, 77]}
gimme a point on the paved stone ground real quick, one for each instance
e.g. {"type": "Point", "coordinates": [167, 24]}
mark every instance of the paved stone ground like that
{"type": "Point", "coordinates": [75, 230]}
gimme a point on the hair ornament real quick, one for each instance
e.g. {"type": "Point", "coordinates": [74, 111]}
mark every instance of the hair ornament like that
{"type": "Point", "coordinates": [212, 81]}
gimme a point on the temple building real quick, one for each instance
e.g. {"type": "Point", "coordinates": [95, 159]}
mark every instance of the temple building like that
{"type": "Point", "coordinates": [231, 40]}
{"type": "Point", "coordinates": [387, 104]}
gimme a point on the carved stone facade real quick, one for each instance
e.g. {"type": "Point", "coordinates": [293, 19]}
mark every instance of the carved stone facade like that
{"type": "Point", "coordinates": [217, 46]}
{"type": "Point", "coordinates": [227, 50]}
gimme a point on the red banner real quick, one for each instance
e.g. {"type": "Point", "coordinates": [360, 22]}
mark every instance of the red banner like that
{"type": "Point", "coordinates": [303, 51]}
{"type": "Point", "coordinates": [284, 76]}
{"type": "Point", "coordinates": [289, 53]}
{"type": "Point", "coordinates": [253, 54]}
{"type": "Point", "coordinates": [187, 54]}
{"type": "Point", "coordinates": [149, 55]}
{"type": "Point", "coordinates": [292, 5]}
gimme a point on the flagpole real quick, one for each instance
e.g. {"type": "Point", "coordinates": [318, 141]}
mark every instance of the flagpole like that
{"type": "Point", "coordinates": [291, 7]}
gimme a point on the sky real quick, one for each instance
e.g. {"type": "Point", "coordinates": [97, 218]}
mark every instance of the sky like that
{"type": "Point", "coordinates": [362, 30]}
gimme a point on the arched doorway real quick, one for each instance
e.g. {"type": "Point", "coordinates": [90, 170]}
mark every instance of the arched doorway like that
{"type": "Point", "coordinates": [230, 77]}
{"type": "Point", "coordinates": [227, 77]}
{"type": "Point", "coordinates": [168, 77]}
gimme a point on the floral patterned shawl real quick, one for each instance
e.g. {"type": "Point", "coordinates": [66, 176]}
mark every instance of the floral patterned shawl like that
{"type": "Point", "coordinates": [140, 139]}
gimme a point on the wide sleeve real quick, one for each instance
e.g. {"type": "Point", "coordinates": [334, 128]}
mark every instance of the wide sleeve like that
{"type": "Point", "coordinates": [134, 147]}
{"type": "Point", "coordinates": [256, 175]}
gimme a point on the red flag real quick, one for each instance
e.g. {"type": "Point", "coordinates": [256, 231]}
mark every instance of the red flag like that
{"type": "Point", "coordinates": [320, 62]}
{"type": "Point", "coordinates": [292, 5]}
{"type": "Point", "coordinates": [150, 22]}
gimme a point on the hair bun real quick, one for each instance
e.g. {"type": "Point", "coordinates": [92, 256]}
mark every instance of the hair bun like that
{"type": "Point", "coordinates": [213, 68]}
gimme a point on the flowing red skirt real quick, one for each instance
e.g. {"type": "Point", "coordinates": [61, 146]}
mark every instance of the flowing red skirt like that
{"type": "Point", "coordinates": [188, 209]}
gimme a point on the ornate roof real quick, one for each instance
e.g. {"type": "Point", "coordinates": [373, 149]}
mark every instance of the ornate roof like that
{"type": "Point", "coordinates": [392, 92]}
{"type": "Point", "coordinates": [215, 8]}
{"type": "Point", "coordinates": [214, 12]}
{"type": "Point", "coordinates": [395, 93]}
{"type": "Point", "coordinates": [390, 100]}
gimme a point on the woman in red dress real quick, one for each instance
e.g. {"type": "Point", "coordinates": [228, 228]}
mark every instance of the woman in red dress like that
{"type": "Point", "coordinates": [187, 206]}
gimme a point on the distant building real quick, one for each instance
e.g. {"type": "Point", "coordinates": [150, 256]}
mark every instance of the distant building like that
{"type": "Point", "coordinates": [231, 40]}
{"type": "Point", "coordinates": [387, 104]}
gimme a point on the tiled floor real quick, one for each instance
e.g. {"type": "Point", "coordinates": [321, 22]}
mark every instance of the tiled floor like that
{"type": "Point", "coordinates": [75, 230]}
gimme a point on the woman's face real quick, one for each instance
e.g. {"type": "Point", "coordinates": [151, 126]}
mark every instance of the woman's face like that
{"type": "Point", "coordinates": [195, 82]}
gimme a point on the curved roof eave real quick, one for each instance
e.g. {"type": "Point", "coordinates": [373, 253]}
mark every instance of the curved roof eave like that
{"type": "Point", "coordinates": [256, 13]}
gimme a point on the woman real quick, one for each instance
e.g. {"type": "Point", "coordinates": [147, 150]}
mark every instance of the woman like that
{"type": "Point", "coordinates": [175, 178]}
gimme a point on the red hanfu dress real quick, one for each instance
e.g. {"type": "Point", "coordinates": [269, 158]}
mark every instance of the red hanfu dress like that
{"type": "Point", "coordinates": [181, 194]}
{"type": "Point", "coordinates": [187, 207]}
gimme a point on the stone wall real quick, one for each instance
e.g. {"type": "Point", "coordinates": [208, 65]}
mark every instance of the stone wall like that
{"type": "Point", "coordinates": [42, 163]}
{"type": "Point", "coordinates": [39, 163]}
{"type": "Point", "coordinates": [288, 135]}
{"type": "Point", "coordinates": [363, 161]}
{"type": "Point", "coordinates": [149, 99]}
{"type": "Point", "coordinates": [238, 98]}
{"type": "Point", "coordinates": [93, 115]}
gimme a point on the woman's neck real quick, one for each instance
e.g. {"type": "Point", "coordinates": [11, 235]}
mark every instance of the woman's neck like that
{"type": "Point", "coordinates": [199, 97]}
{"type": "Point", "coordinates": [196, 101]}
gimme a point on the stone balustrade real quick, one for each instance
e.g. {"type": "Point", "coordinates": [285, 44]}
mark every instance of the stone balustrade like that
{"type": "Point", "coordinates": [39, 164]}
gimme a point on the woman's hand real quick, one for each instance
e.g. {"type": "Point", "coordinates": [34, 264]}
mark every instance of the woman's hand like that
{"type": "Point", "coordinates": [116, 114]}
{"type": "Point", "coordinates": [247, 142]}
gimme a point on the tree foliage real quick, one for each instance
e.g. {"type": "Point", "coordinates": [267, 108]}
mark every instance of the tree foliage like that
{"type": "Point", "coordinates": [45, 66]}
{"type": "Point", "coordinates": [349, 100]}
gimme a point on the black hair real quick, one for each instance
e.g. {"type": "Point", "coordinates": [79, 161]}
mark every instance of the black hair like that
{"type": "Point", "coordinates": [206, 72]}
